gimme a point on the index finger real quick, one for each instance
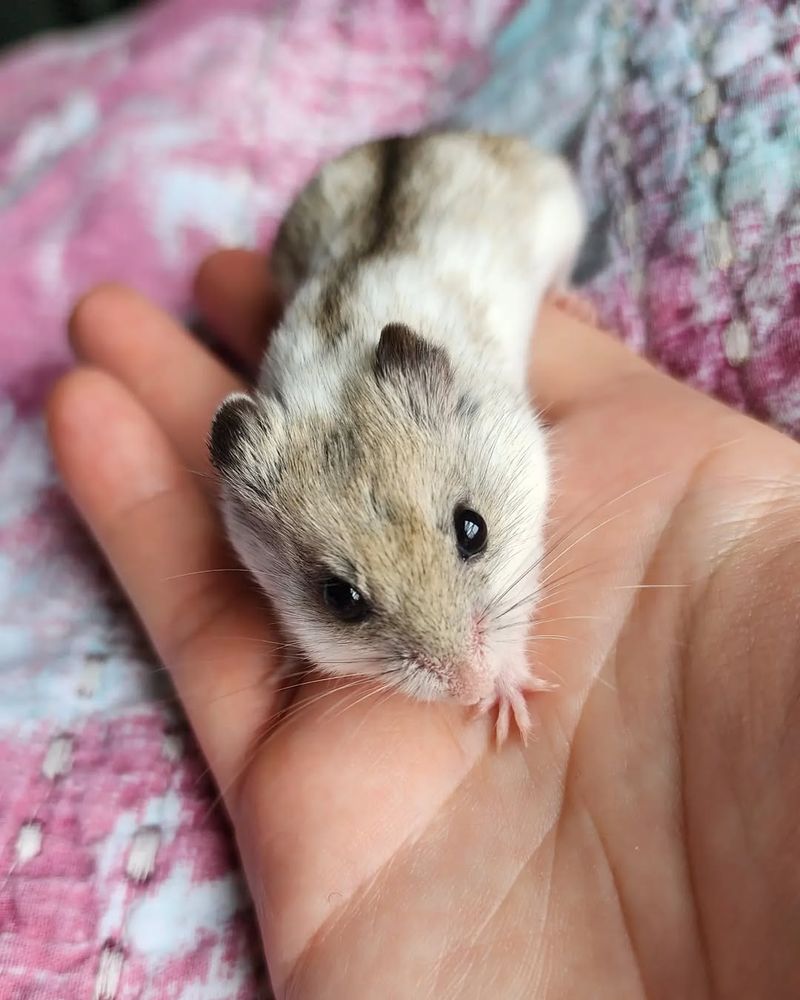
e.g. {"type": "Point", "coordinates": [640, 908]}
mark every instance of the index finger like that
{"type": "Point", "coordinates": [163, 541]}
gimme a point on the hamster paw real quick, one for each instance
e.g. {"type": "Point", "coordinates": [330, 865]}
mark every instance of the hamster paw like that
{"type": "Point", "coordinates": [511, 703]}
{"type": "Point", "coordinates": [575, 305]}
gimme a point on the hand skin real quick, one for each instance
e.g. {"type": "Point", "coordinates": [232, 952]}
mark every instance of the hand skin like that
{"type": "Point", "coordinates": [646, 841]}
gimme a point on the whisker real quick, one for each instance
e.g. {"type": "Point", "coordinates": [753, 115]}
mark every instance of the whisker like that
{"type": "Point", "coordinates": [391, 689]}
{"type": "Point", "coordinates": [197, 697]}
{"type": "Point", "coordinates": [607, 684]}
{"type": "Point", "coordinates": [259, 746]}
{"type": "Point", "coordinates": [200, 474]}
{"type": "Point", "coordinates": [544, 589]}
{"type": "Point", "coordinates": [203, 572]}
{"type": "Point", "coordinates": [566, 533]}
{"type": "Point", "coordinates": [583, 537]}
{"type": "Point", "coordinates": [342, 709]}
{"type": "Point", "coordinates": [572, 618]}
{"type": "Point", "coordinates": [295, 710]}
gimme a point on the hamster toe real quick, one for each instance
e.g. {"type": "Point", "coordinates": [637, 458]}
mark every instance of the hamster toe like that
{"type": "Point", "coordinates": [537, 685]}
{"type": "Point", "coordinates": [503, 722]}
{"type": "Point", "coordinates": [510, 705]}
{"type": "Point", "coordinates": [522, 716]}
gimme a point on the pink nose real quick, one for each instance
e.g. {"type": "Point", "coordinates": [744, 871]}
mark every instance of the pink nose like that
{"type": "Point", "coordinates": [471, 683]}
{"type": "Point", "coordinates": [467, 681]}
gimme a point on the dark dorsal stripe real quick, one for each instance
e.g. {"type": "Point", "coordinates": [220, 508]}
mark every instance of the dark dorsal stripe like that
{"type": "Point", "coordinates": [386, 212]}
{"type": "Point", "coordinates": [387, 203]}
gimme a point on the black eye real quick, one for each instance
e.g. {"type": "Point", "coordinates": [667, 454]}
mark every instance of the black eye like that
{"type": "Point", "coordinates": [344, 601]}
{"type": "Point", "coordinates": [470, 532]}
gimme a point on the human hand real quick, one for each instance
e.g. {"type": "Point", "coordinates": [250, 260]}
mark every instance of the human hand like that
{"type": "Point", "coordinates": [644, 843]}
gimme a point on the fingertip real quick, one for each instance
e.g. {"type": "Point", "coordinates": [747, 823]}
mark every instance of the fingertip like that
{"type": "Point", "coordinates": [223, 266]}
{"type": "Point", "coordinates": [94, 313]}
{"type": "Point", "coordinates": [57, 398]}
{"type": "Point", "coordinates": [238, 299]}
{"type": "Point", "coordinates": [66, 403]}
{"type": "Point", "coordinates": [70, 409]}
{"type": "Point", "coordinates": [108, 450]}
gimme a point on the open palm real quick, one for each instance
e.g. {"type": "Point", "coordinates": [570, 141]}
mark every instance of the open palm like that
{"type": "Point", "coordinates": [644, 843]}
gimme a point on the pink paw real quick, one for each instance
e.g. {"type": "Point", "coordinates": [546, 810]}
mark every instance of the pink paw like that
{"type": "Point", "coordinates": [510, 704]}
{"type": "Point", "coordinates": [575, 305]}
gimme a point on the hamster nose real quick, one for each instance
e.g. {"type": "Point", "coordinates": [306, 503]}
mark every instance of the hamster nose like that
{"type": "Point", "coordinates": [471, 683]}
{"type": "Point", "coordinates": [466, 681]}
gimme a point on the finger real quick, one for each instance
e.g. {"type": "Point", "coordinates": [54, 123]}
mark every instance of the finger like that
{"type": "Point", "coordinates": [236, 297]}
{"type": "Point", "coordinates": [571, 362]}
{"type": "Point", "coordinates": [163, 541]}
{"type": "Point", "coordinates": [176, 379]}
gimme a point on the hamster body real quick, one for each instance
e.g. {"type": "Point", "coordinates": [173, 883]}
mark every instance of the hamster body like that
{"type": "Point", "coordinates": [387, 484]}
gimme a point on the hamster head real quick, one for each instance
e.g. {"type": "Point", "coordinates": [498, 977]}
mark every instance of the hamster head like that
{"type": "Point", "coordinates": [396, 532]}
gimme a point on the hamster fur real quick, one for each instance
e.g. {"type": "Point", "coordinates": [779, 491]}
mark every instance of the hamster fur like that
{"type": "Point", "coordinates": [392, 406]}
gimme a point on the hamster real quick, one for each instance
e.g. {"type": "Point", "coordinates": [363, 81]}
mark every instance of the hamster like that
{"type": "Point", "coordinates": [387, 482]}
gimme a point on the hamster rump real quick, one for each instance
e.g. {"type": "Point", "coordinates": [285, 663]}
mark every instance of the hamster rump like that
{"type": "Point", "coordinates": [397, 529]}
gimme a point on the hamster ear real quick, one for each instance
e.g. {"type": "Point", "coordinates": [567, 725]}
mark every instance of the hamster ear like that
{"type": "Point", "coordinates": [244, 433]}
{"type": "Point", "coordinates": [401, 352]}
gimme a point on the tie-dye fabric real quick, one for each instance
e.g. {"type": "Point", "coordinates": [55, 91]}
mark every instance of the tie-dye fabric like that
{"type": "Point", "coordinates": [127, 153]}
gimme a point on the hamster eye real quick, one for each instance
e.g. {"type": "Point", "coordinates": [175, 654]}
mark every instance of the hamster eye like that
{"type": "Point", "coordinates": [471, 532]}
{"type": "Point", "coordinates": [344, 601]}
